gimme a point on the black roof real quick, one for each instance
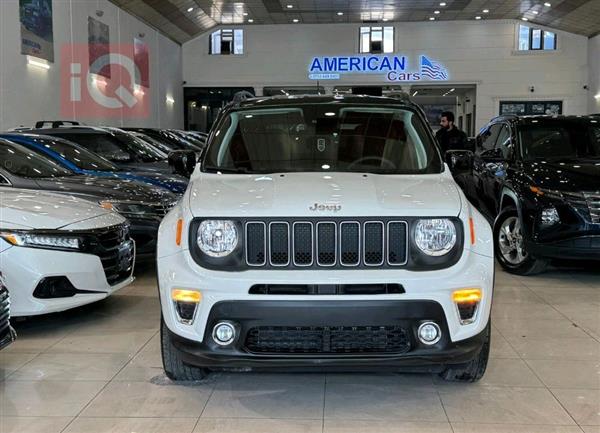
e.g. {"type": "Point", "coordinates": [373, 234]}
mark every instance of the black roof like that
{"type": "Point", "coordinates": [283, 100]}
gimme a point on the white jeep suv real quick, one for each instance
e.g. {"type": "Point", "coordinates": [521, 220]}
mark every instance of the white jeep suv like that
{"type": "Point", "coordinates": [324, 232]}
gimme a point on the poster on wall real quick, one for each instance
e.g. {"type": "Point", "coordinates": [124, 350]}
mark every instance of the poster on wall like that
{"type": "Point", "coordinates": [98, 47]}
{"type": "Point", "coordinates": [142, 62]}
{"type": "Point", "coordinates": [37, 38]}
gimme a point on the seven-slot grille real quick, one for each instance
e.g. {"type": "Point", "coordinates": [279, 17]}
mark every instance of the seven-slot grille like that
{"type": "Point", "coordinates": [325, 243]}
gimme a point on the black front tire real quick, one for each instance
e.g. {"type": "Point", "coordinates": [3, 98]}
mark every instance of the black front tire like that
{"type": "Point", "coordinates": [530, 265]}
{"type": "Point", "coordinates": [174, 367]}
{"type": "Point", "coordinates": [473, 370]}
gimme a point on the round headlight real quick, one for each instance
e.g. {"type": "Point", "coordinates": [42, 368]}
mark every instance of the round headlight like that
{"type": "Point", "coordinates": [217, 238]}
{"type": "Point", "coordinates": [435, 237]}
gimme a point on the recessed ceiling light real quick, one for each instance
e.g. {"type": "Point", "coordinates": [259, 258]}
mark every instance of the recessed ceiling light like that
{"type": "Point", "coordinates": [190, 9]}
{"type": "Point", "coordinates": [442, 4]}
{"type": "Point", "coordinates": [524, 19]}
{"type": "Point", "coordinates": [431, 18]}
{"type": "Point", "coordinates": [486, 11]}
{"type": "Point", "coordinates": [250, 20]}
{"type": "Point", "coordinates": [289, 6]}
{"type": "Point", "coordinates": [340, 14]}
{"type": "Point", "coordinates": [384, 20]}
{"type": "Point", "coordinates": [245, 14]}
{"type": "Point", "coordinates": [477, 17]}
{"type": "Point", "coordinates": [436, 12]}
{"type": "Point", "coordinates": [547, 4]}
{"type": "Point", "coordinates": [535, 12]}
{"type": "Point", "coordinates": [295, 20]}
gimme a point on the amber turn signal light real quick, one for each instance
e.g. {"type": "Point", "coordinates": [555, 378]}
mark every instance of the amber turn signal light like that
{"type": "Point", "coordinates": [179, 232]}
{"type": "Point", "coordinates": [181, 295]}
{"type": "Point", "coordinates": [472, 230]}
{"type": "Point", "coordinates": [466, 296]}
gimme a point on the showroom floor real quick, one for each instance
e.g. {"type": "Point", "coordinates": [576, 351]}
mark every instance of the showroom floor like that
{"type": "Point", "coordinates": [98, 369]}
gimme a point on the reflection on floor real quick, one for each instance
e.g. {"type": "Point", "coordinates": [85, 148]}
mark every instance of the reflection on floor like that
{"type": "Point", "coordinates": [98, 369]}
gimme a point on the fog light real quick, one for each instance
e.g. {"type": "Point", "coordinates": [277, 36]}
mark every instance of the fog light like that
{"type": "Point", "coordinates": [429, 333]}
{"type": "Point", "coordinates": [223, 333]}
{"type": "Point", "coordinates": [549, 216]}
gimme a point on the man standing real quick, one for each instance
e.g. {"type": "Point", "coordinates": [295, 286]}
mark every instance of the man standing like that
{"type": "Point", "coordinates": [449, 136]}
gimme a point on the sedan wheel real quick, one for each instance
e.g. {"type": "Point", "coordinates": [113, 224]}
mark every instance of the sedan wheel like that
{"type": "Point", "coordinates": [510, 241]}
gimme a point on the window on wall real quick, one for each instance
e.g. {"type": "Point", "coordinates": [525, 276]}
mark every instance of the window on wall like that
{"type": "Point", "coordinates": [376, 40]}
{"type": "Point", "coordinates": [532, 39]}
{"type": "Point", "coordinates": [227, 41]}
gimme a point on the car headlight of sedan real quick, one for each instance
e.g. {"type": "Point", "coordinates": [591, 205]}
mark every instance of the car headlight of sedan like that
{"type": "Point", "coordinates": [217, 238]}
{"type": "Point", "coordinates": [41, 240]}
{"type": "Point", "coordinates": [435, 237]}
{"type": "Point", "coordinates": [129, 208]}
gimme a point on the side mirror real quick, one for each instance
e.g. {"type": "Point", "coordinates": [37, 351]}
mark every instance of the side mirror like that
{"type": "Point", "coordinates": [183, 162]}
{"type": "Point", "coordinates": [459, 161]}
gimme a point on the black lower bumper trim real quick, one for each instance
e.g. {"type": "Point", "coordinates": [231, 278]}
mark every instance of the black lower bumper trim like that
{"type": "Point", "coordinates": [248, 315]}
{"type": "Point", "coordinates": [581, 248]}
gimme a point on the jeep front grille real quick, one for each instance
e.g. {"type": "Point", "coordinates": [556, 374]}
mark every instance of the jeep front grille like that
{"type": "Point", "coordinates": [328, 340]}
{"type": "Point", "coordinates": [326, 243]}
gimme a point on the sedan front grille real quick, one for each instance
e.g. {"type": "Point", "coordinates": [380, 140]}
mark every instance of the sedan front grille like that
{"type": "Point", "coordinates": [326, 243]}
{"type": "Point", "coordinates": [593, 202]}
{"type": "Point", "coordinates": [115, 249]}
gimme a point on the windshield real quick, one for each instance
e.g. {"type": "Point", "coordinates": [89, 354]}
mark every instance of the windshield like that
{"type": "Point", "coordinates": [152, 142]}
{"type": "Point", "coordinates": [145, 151]}
{"type": "Point", "coordinates": [560, 140]}
{"type": "Point", "coordinates": [323, 137]}
{"type": "Point", "coordinates": [23, 162]}
{"type": "Point", "coordinates": [77, 155]}
{"type": "Point", "coordinates": [102, 144]}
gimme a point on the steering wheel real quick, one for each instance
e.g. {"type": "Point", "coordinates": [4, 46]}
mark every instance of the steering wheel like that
{"type": "Point", "coordinates": [382, 160]}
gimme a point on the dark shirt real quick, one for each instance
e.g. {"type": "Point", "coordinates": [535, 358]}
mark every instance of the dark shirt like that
{"type": "Point", "coordinates": [451, 139]}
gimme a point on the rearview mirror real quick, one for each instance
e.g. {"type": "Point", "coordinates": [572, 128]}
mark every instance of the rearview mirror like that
{"type": "Point", "coordinates": [183, 162]}
{"type": "Point", "coordinates": [459, 161]}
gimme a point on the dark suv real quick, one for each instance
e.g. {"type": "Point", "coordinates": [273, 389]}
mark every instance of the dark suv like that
{"type": "Point", "coordinates": [538, 177]}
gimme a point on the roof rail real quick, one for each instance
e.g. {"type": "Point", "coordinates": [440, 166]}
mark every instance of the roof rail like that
{"type": "Point", "coordinates": [403, 96]}
{"type": "Point", "coordinates": [55, 123]}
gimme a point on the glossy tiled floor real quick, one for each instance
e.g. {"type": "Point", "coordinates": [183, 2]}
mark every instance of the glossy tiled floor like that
{"type": "Point", "coordinates": [98, 369]}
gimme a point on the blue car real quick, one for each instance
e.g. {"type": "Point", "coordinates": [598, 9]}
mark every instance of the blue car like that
{"type": "Point", "coordinates": [82, 161]}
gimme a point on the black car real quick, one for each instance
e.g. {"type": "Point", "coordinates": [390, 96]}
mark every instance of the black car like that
{"type": "Point", "coordinates": [119, 147]}
{"type": "Point", "coordinates": [167, 138]}
{"type": "Point", "coordinates": [143, 205]}
{"type": "Point", "coordinates": [538, 178]}
{"type": "Point", "coordinates": [7, 333]}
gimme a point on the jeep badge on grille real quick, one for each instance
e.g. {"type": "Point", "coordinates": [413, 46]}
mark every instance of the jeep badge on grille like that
{"type": "Point", "coordinates": [332, 207]}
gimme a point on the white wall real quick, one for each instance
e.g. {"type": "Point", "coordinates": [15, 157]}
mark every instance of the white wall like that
{"type": "Point", "coordinates": [481, 53]}
{"type": "Point", "coordinates": [28, 93]}
{"type": "Point", "coordinates": [594, 74]}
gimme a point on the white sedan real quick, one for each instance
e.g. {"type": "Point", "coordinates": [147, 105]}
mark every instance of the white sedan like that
{"type": "Point", "coordinates": [58, 252]}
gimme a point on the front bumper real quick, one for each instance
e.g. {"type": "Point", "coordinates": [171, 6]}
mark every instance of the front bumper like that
{"type": "Point", "coordinates": [575, 248]}
{"type": "Point", "coordinates": [24, 268]}
{"type": "Point", "coordinates": [334, 352]}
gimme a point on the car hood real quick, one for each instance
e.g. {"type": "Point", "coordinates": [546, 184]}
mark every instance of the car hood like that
{"type": "Point", "coordinates": [108, 188]}
{"type": "Point", "coordinates": [29, 209]}
{"type": "Point", "coordinates": [568, 175]}
{"type": "Point", "coordinates": [319, 194]}
{"type": "Point", "coordinates": [155, 167]}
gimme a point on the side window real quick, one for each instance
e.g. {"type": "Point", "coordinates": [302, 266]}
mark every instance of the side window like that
{"type": "Point", "coordinates": [488, 138]}
{"type": "Point", "coordinates": [503, 143]}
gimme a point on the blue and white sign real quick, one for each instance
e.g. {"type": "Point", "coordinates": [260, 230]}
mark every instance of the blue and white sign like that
{"type": "Point", "coordinates": [395, 68]}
